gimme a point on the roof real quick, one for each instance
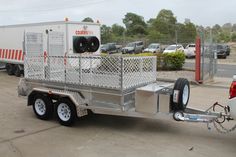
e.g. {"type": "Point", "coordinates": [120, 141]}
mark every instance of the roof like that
{"type": "Point", "coordinates": [49, 23]}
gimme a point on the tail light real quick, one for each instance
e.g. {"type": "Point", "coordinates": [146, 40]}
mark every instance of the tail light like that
{"type": "Point", "coordinates": [232, 91]}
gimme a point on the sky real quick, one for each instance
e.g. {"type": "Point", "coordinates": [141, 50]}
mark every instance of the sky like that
{"type": "Point", "coordinates": [200, 12]}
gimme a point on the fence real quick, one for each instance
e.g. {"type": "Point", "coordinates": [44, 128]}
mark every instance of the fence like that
{"type": "Point", "coordinates": [208, 57]}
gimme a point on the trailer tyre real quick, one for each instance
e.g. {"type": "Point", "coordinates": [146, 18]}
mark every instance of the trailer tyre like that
{"type": "Point", "coordinates": [180, 97]}
{"type": "Point", "coordinates": [10, 69]}
{"type": "Point", "coordinates": [66, 112]}
{"type": "Point", "coordinates": [42, 106]}
{"type": "Point", "coordinates": [17, 71]}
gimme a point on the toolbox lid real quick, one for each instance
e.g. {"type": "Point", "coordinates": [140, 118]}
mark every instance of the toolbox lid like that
{"type": "Point", "coordinates": [154, 87]}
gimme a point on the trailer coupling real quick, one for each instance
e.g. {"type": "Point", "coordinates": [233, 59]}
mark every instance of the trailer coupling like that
{"type": "Point", "coordinates": [216, 114]}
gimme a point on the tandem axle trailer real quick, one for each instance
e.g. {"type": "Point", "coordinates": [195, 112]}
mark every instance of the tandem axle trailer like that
{"type": "Point", "coordinates": [74, 85]}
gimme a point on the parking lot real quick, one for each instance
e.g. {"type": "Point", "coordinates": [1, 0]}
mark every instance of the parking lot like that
{"type": "Point", "coordinates": [23, 135]}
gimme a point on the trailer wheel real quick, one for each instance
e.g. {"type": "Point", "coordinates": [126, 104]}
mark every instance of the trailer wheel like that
{"type": "Point", "coordinates": [10, 69]}
{"type": "Point", "coordinates": [181, 92]}
{"type": "Point", "coordinates": [177, 115]}
{"type": "Point", "coordinates": [42, 106]}
{"type": "Point", "coordinates": [66, 112]}
{"type": "Point", "coordinates": [17, 71]}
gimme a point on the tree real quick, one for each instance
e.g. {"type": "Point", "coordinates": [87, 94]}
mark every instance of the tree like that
{"type": "Point", "coordinates": [117, 30]}
{"type": "Point", "coordinates": [216, 28]}
{"type": "Point", "coordinates": [106, 34]}
{"type": "Point", "coordinates": [164, 25]}
{"type": "Point", "coordinates": [135, 24]}
{"type": "Point", "coordinates": [88, 19]}
{"type": "Point", "coordinates": [233, 37]}
{"type": "Point", "coordinates": [190, 33]}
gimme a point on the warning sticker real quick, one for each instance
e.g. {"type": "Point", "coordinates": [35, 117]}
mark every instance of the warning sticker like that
{"type": "Point", "coordinates": [176, 96]}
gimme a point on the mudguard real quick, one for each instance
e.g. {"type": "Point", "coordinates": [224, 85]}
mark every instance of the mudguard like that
{"type": "Point", "coordinates": [232, 105]}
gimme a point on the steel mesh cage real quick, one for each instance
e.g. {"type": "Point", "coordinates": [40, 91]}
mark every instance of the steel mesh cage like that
{"type": "Point", "coordinates": [113, 72]}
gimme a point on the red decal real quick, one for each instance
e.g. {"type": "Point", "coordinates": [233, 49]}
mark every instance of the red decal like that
{"type": "Point", "coordinates": [65, 59]}
{"type": "Point", "coordinates": [20, 55]}
{"type": "Point", "coordinates": [3, 51]}
{"type": "Point", "coordinates": [9, 54]}
{"type": "Point", "coordinates": [45, 56]}
{"type": "Point", "coordinates": [12, 55]}
{"type": "Point", "coordinates": [0, 53]}
{"type": "Point", "coordinates": [84, 31]}
{"type": "Point", "coordinates": [16, 54]}
{"type": "Point", "coordinates": [6, 54]}
{"type": "Point", "coordinates": [23, 56]}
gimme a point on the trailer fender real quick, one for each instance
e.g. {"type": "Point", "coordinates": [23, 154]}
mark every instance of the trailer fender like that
{"type": "Point", "coordinates": [232, 105]}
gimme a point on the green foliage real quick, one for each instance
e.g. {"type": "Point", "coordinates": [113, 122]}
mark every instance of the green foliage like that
{"type": "Point", "coordinates": [169, 61]}
{"type": "Point", "coordinates": [106, 34]}
{"type": "Point", "coordinates": [223, 37]}
{"type": "Point", "coordinates": [233, 37]}
{"type": "Point", "coordinates": [135, 24]}
{"type": "Point", "coordinates": [164, 26]}
{"type": "Point", "coordinates": [186, 33]}
{"type": "Point", "coordinates": [87, 19]}
{"type": "Point", "coordinates": [173, 61]}
{"type": "Point", "coordinates": [117, 30]}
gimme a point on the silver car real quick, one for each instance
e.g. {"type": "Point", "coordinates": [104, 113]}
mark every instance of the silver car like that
{"type": "Point", "coordinates": [134, 47]}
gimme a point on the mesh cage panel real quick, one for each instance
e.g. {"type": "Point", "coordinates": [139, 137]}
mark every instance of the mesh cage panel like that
{"type": "Point", "coordinates": [112, 72]}
{"type": "Point", "coordinates": [34, 65]}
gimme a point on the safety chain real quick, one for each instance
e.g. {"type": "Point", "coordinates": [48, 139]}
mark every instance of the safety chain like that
{"type": "Point", "coordinates": [218, 124]}
{"type": "Point", "coordinates": [222, 129]}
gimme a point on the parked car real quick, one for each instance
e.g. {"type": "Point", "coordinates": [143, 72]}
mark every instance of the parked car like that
{"type": "Point", "coordinates": [154, 48]}
{"type": "Point", "coordinates": [134, 47]}
{"type": "Point", "coordinates": [109, 48]}
{"type": "Point", "coordinates": [190, 51]}
{"type": "Point", "coordinates": [174, 48]}
{"type": "Point", "coordinates": [227, 47]}
{"type": "Point", "coordinates": [2, 65]}
{"type": "Point", "coordinates": [220, 50]}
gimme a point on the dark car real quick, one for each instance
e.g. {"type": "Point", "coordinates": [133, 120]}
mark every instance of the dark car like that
{"type": "Point", "coordinates": [227, 47]}
{"type": "Point", "coordinates": [109, 48]}
{"type": "Point", "coordinates": [220, 50]}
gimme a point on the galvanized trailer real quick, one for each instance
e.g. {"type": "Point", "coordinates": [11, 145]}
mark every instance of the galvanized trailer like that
{"type": "Point", "coordinates": [113, 85]}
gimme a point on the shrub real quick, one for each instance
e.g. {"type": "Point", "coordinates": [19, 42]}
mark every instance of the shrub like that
{"type": "Point", "coordinates": [173, 61]}
{"type": "Point", "coordinates": [168, 61]}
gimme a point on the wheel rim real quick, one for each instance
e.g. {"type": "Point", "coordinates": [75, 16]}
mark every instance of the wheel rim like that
{"type": "Point", "coordinates": [178, 115]}
{"type": "Point", "coordinates": [185, 94]}
{"type": "Point", "coordinates": [64, 112]}
{"type": "Point", "coordinates": [40, 107]}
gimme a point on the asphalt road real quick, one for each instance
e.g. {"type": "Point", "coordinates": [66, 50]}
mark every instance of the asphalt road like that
{"type": "Point", "coordinates": [223, 70]}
